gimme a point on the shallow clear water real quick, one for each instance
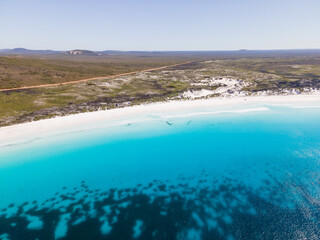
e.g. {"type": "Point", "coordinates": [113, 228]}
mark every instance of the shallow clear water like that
{"type": "Point", "coordinates": [250, 175]}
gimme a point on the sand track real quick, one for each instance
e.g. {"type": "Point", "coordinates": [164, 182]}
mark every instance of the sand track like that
{"type": "Point", "coordinates": [92, 79]}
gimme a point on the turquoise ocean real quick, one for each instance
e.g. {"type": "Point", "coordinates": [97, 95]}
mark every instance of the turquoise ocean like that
{"type": "Point", "coordinates": [216, 175]}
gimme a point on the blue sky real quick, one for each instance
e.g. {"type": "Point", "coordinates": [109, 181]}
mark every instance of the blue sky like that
{"type": "Point", "coordinates": [160, 25]}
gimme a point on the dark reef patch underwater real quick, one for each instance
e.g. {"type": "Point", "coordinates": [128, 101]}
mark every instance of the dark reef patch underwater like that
{"type": "Point", "coordinates": [211, 210]}
{"type": "Point", "coordinates": [245, 176]}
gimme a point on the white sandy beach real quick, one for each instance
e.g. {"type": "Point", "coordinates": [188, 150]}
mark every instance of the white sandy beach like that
{"type": "Point", "coordinates": [85, 121]}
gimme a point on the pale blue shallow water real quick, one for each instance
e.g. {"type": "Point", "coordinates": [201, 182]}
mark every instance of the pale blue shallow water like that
{"type": "Point", "coordinates": [251, 175]}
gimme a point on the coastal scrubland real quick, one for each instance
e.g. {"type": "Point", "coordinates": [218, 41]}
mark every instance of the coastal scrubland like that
{"type": "Point", "coordinates": [207, 74]}
{"type": "Point", "coordinates": [18, 71]}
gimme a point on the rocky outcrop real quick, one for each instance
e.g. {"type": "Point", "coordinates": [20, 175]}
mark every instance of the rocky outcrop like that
{"type": "Point", "coordinates": [82, 52]}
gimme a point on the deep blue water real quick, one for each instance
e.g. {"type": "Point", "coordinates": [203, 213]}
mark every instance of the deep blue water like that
{"type": "Point", "coordinates": [251, 175]}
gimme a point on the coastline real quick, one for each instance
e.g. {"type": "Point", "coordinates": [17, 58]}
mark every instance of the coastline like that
{"type": "Point", "coordinates": [121, 116]}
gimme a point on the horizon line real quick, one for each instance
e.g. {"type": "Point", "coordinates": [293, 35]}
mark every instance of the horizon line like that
{"type": "Point", "coordinates": [117, 50]}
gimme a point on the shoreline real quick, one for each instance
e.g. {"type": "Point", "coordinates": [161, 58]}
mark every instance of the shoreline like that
{"type": "Point", "coordinates": [84, 121]}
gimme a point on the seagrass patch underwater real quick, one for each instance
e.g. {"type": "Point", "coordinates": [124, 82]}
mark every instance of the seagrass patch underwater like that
{"type": "Point", "coordinates": [240, 175]}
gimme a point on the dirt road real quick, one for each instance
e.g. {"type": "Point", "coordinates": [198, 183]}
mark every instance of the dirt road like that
{"type": "Point", "coordinates": [92, 79]}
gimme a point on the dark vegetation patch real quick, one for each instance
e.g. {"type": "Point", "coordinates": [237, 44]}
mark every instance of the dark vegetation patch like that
{"type": "Point", "coordinates": [226, 210]}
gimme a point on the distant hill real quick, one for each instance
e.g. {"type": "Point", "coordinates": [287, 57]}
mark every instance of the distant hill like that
{"type": "Point", "coordinates": [237, 53]}
{"type": "Point", "coordinates": [83, 52]}
{"type": "Point", "coordinates": [21, 50]}
{"type": "Point", "coordinates": [24, 51]}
